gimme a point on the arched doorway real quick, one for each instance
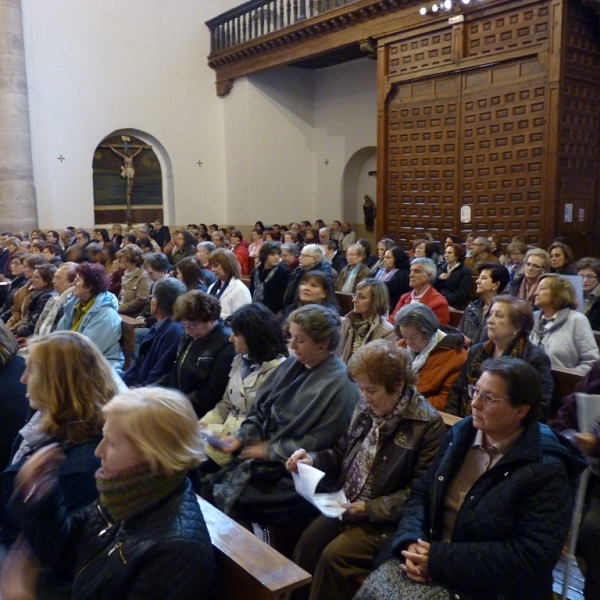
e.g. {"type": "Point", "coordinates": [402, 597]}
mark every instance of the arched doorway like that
{"type": "Point", "coordinates": [132, 179]}
{"type": "Point", "coordinates": [357, 183]}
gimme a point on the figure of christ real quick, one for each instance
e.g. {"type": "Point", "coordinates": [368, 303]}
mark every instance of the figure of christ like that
{"type": "Point", "coordinates": [127, 170]}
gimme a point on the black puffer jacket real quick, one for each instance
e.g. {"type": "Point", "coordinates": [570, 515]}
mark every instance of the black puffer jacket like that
{"type": "Point", "coordinates": [201, 370]}
{"type": "Point", "coordinates": [164, 553]}
{"type": "Point", "coordinates": [512, 525]}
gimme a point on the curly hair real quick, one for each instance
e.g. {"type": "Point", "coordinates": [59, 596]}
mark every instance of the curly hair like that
{"type": "Point", "coordinates": [383, 363]}
{"type": "Point", "coordinates": [94, 277]}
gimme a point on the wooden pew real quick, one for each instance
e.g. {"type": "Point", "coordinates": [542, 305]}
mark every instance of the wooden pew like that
{"type": "Point", "coordinates": [345, 300]}
{"type": "Point", "coordinates": [565, 381]}
{"type": "Point", "coordinates": [128, 327]}
{"type": "Point", "coordinates": [455, 316]}
{"type": "Point", "coordinates": [247, 568]}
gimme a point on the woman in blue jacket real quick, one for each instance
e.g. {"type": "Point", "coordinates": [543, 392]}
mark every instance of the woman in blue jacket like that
{"type": "Point", "coordinates": [92, 311]}
{"type": "Point", "coordinates": [490, 516]}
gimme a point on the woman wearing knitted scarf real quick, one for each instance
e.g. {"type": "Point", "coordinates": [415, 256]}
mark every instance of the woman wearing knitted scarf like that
{"type": "Point", "coordinates": [145, 536]}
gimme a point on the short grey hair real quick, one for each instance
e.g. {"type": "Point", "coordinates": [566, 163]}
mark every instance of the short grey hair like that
{"type": "Point", "coordinates": [315, 251]}
{"type": "Point", "coordinates": [208, 246]}
{"type": "Point", "coordinates": [291, 247]}
{"type": "Point", "coordinates": [360, 249]}
{"type": "Point", "coordinates": [484, 242]}
{"type": "Point", "coordinates": [419, 316]}
{"type": "Point", "coordinates": [8, 346]}
{"type": "Point", "coordinates": [428, 266]}
{"type": "Point", "coordinates": [166, 291]}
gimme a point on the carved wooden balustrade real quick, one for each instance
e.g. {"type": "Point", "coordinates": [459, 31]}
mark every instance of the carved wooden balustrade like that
{"type": "Point", "coordinates": [257, 18]}
{"type": "Point", "coordinates": [262, 34]}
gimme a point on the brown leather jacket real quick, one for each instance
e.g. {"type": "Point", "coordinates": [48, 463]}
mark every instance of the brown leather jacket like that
{"type": "Point", "coordinates": [404, 454]}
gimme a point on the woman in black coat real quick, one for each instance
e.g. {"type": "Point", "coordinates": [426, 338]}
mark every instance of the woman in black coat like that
{"type": "Point", "coordinates": [146, 535]}
{"type": "Point", "coordinates": [204, 356]}
{"type": "Point", "coordinates": [270, 278]}
{"type": "Point", "coordinates": [396, 265]}
{"type": "Point", "coordinates": [454, 278]}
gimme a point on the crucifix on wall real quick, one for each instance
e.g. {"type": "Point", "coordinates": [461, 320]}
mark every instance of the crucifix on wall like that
{"type": "Point", "coordinates": [129, 152]}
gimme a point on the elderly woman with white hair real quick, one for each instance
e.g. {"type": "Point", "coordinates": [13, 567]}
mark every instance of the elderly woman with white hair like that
{"type": "Point", "coordinates": [437, 352]}
{"type": "Point", "coordinates": [422, 274]}
{"type": "Point", "coordinates": [146, 534]}
{"type": "Point", "coordinates": [354, 272]}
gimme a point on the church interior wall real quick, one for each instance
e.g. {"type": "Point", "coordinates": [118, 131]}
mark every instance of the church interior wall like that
{"type": "Point", "coordinates": [99, 67]}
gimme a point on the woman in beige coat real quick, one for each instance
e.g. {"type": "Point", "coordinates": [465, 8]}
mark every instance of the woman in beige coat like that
{"type": "Point", "coordinates": [366, 322]}
{"type": "Point", "coordinates": [260, 346]}
{"type": "Point", "coordinates": [135, 284]}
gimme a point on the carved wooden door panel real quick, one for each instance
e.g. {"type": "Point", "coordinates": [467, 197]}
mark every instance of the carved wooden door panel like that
{"type": "Point", "coordinates": [474, 142]}
{"type": "Point", "coordinates": [423, 157]}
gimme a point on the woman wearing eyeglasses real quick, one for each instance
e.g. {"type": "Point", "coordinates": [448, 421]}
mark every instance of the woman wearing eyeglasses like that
{"type": "Point", "coordinates": [536, 263]}
{"type": "Point", "coordinates": [589, 271]}
{"type": "Point", "coordinates": [508, 326]}
{"type": "Point", "coordinates": [490, 516]}
{"type": "Point", "coordinates": [366, 322]}
{"type": "Point", "coordinates": [562, 332]}
{"type": "Point", "coordinates": [204, 355]}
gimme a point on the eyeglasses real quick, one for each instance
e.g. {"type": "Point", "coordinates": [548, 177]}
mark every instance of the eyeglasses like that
{"type": "Point", "coordinates": [532, 266]}
{"type": "Point", "coordinates": [591, 277]}
{"type": "Point", "coordinates": [359, 297]}
{"type": "Point", "coordinates": [474, 393]}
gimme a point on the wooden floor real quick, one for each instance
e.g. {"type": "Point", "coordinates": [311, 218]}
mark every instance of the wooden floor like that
{"type": "Point", "coordinates": [575, 583]}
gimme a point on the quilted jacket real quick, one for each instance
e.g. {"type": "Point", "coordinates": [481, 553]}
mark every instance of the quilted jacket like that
{"type": "Point", "coordinates": [511, 528]}
{"type": "Point", "coordinates": [164, 553]}
{"type": "Point", "coordinates": [201, 370]}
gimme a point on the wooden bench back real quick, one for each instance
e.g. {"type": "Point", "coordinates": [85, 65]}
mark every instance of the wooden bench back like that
{"type": "Point", "coordinates": [247, 568]}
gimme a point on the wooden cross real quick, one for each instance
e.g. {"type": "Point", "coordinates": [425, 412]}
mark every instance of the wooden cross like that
{"type": "Point", "coordinates": [199, 163]}
{"type": "Point", "coordinates": [61, 158]}
{"type": "Point", "coordinates": [326, 162]}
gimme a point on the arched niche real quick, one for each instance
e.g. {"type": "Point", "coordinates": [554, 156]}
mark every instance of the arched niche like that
{"type": "Point", "coordinates": [152, 189]}
{"type": "Point", "coordinates": [357, 182]}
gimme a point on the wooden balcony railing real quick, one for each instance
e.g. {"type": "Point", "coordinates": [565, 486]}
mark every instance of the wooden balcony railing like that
{"type": "Point", "coordinates": [257, 18]}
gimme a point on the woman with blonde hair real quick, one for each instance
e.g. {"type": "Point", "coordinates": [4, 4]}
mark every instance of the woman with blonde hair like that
{"type": "Point", "coordinates": [146, 534]}
{"type": "Point", "coordinates": [535, 264]}
{"type": "Point", "coordinates": [229, 289]}
{"type": "Point", "coordinates": [68, 383]}
{"type": "Point", "coordinates": [563, 333]}
{"type": "Point", "coordinates": [366, 322]}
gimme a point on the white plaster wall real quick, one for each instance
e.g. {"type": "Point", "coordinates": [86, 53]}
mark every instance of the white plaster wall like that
{"type": "Point", "coordinates": [97, 66]}
{"type": "Point", "coordinates": [269, 147]}
{"type": "Point", "coordinates": [100, 66]}
{"type": "Point", "coordinates": [345, 122]}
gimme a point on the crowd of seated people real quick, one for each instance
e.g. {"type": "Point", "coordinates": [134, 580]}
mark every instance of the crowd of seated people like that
{"type": "Point", "coordinates": [358, 397]}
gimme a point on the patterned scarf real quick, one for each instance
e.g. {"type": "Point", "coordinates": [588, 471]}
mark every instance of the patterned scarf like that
{"type": "Point", "coordinates": [360, 469]}
{"type": "Point", "coordinates": [360, 329]}
{"type": "Point", "coordinates": [129, 494]}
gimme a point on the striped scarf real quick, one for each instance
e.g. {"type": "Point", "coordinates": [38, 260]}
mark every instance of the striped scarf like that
{"type": "Point", "coordinates": [132, 493]}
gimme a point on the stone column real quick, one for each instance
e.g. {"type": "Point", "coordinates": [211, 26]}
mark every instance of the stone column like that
{"type": "Point", "coordinates": [17, 192]}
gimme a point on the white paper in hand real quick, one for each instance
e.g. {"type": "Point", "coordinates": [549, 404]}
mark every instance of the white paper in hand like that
{"type": "Point", "coordinates": [306, 482]}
